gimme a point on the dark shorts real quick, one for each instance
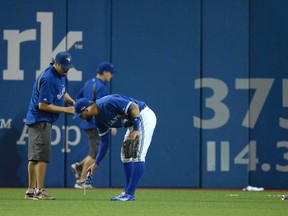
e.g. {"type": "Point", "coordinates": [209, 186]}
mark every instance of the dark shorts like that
{"type": "Point", "coordinates": [93, 140]}
{"type": "Point", "coordinates": [39, 142]}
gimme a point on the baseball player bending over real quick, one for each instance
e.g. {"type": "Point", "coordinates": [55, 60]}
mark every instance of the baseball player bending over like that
{"type": "Point", "coordinates": [116, 111]}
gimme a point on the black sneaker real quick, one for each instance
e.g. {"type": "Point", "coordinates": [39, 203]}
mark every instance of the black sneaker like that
{"type": "Point", "coordinates": [76, 169]}
{"type": "Point", "coordinates": [29, 196]}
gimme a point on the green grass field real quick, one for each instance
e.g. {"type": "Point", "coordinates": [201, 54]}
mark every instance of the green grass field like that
{"type": "Point", "coordinates": [148, 202]}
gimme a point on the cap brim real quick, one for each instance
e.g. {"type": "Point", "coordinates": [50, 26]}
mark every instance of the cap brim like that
{"type": "Point", "coordinates": [75, 116]}
{"type": "Point", "coordinates": [67, 66]}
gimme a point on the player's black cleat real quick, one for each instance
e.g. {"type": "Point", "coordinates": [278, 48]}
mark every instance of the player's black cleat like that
{"type": "Point", "coordinates": [76, 169]}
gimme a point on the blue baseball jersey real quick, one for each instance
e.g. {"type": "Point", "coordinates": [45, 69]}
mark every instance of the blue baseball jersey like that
{"type": "Point", "coordinates": [48, 88]}
{"type": "Point", "coordinates": [93, 89]}
{"type": "Point", "coordinates": [112, 110]}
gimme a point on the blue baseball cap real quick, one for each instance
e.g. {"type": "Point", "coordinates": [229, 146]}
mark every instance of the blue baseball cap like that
{"type": "Point", "coordinates": [64, 59]}
{"type": "Point", "coordinates": [80, 106]}
{"type": "Point", "coordinates": [105, 66]}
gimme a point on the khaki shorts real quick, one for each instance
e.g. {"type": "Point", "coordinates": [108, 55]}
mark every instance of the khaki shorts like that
{"type": "Point", "coordinates": [93, 140]}
{"type": "Point", "coordinates": [39, 142]}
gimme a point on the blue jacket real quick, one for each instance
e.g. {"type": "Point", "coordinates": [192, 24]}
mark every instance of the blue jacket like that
{"type": "Point", "coordinates": [93, 89]}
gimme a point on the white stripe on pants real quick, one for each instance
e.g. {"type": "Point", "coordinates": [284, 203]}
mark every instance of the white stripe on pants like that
{"type": "Point", "coordinates": [147, 126]}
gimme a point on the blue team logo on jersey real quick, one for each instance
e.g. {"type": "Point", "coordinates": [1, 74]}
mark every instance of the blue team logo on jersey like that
{"type": "Point", "coordinates": [60, 95]}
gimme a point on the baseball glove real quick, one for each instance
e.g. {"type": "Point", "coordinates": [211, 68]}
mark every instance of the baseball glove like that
{"type": "Point", "coordinates": [130, 148]}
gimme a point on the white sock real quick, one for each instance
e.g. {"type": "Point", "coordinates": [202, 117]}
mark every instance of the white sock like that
{"type": "Point", "coordinates": [30, 190]}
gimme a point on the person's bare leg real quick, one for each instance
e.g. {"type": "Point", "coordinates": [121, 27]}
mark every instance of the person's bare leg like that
{"type": "Point", "coordinates": [81, 164]}
{"type": "Point", "coordinates": [41, 193]}
{"type": "Point", "coordinates": [32, 174]}
{"type": "Point", "coordinates": [88, 161]}
{"type": "Point", "coordinates": [41, 168]}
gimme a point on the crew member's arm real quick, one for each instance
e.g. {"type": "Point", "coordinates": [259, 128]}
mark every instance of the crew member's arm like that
{"type": "Point", "coordinates": [56, 109]}
{"type": "Point", "coordinates": [47, 107]}
{"type": "Point", "coordinates": [68, 99]}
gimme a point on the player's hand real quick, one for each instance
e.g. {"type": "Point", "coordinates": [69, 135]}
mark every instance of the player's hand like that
{"type": "Point", "coordinates": [91, 169]}
{"type": "Point", "coordinates": [133, 135]}
{"type": "Point", "coordinates": [70, 110]}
